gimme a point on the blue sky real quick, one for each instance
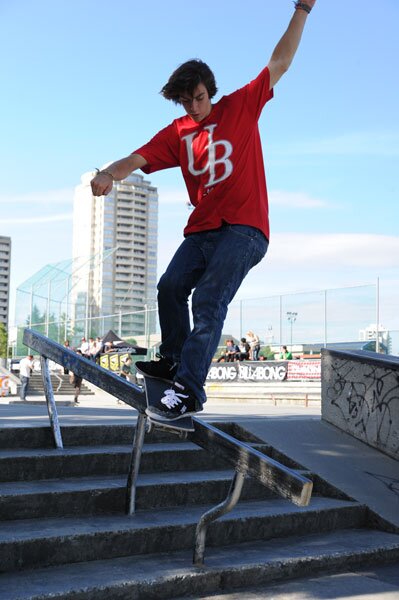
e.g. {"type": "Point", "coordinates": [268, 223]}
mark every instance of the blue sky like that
{"type": "Point", "coordinates": [80, 88]}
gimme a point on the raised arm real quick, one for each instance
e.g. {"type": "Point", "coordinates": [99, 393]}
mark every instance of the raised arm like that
{"type": "Point", "coordinates": [102, 183]}
{"type": "Point", "coordinates": [286, 48]}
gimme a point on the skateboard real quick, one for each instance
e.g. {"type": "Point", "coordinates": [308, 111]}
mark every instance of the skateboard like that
{"type": "Point", "coordinates": [153, 389]}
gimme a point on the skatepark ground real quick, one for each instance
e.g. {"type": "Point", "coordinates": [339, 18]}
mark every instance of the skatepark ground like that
{"type": "Point", "coordinates": [362, 472]}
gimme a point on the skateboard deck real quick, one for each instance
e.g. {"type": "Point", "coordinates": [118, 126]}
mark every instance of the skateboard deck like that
{"type": "Point", "coordinates": [153, 389]}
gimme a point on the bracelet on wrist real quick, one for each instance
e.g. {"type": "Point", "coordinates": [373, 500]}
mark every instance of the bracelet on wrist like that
{"type": "Point", "coordinates": [302, 6]}
{"type": "Point", "coordinates": [105, 172]}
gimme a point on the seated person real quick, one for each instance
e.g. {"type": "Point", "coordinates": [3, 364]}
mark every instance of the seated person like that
{"type": "Point", "coordinates": [244, 348]}
{"type": "Point", "coordinates": [285, 354]}
{"type": "Point", "coordinates": [230, 352]}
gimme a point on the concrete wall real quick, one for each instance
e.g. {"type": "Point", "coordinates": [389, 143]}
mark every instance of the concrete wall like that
{"type": "Point", "coordinates": [360, 395]}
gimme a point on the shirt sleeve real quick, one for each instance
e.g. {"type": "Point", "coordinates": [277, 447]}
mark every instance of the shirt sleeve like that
{"type": "Point", "coordinates": [257, 92]}
{"type": "Point", "coordinates": [162, 151]}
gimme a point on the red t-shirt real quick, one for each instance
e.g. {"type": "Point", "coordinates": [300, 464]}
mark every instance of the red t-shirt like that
{"type": "Point", "coordinates": [220, 158]}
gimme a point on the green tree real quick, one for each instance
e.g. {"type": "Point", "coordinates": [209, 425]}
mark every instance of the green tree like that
{"type": "Point", "coordinates": [267, 353]}
{"type": "Point", "coordinates": [3, 341]}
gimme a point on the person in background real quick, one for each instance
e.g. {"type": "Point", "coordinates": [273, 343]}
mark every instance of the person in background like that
{"type": "Point", "coordinates": [56, 370]}
{"type": "Point", "coordinates": [243, 347]}
{"type": "Point", "coordinates": [230, 352]}
{"type": "Point", "coordinates": [93, 349]}
{"type": "Point", "coordinates": [85, 348]}
{"type": "Point", "coordinates": [25, 371]}
{"type": "Point", "coordinates": [285, 354]}
{"type": "Point", "coordinates": [99, 346]}
{"type": "Point", "coordinates": [254, 345]}
{"type": "Point", "coordinates": [67, 345]}
{"type": "Point", "coordinates": [126, 368]}
{"type": "Point", "coordinates": [76, 381]}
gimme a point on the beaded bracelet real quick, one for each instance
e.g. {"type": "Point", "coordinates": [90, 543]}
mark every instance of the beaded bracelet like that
{"type": "Point", "coordinates": [302, 6]}
{"type": "Point", "coordinates": [105, 172]}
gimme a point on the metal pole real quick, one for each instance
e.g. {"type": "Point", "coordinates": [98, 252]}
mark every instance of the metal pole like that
{"type": "Point", "coordinates": [146, 326]}
{"type": "Point", "coordinates": [48, 308]}
{"type": "Point", "coordinates": [213, 514]}
{"type": "Point", "coordinates": [31, 307]}
{"type": "Point", "coordinates": [377, 326]}
{"type": "Point", "coordinates": [51, 406]}
{"type": "Point", "coordinates": [30, 310]}
{"type": "Point", "coordinates": [240, 319]}
{"type": "Point", "coordinates": [87, 312]}
{"type": "Point", "coordinates": [120, 324]}
{"type": "Point", "coordinates": [325, 318]}
{"type": "Point", "coordinates": [135, 463]}
{"type": "Point", "coordinates": [67, 310]}
{"type": "Point", "coordinates": [281, 321]}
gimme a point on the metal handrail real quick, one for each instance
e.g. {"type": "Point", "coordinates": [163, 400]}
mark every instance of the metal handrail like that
{"type": "Point", "coordinates": [245, 459]}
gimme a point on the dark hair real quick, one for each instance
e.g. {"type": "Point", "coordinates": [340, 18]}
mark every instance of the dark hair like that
{"type": "Point", "coordinates": [186, 78]}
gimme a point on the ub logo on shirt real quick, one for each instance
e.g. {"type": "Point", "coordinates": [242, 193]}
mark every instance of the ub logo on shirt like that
{"type": "Point", "coordinates": [212, 160]}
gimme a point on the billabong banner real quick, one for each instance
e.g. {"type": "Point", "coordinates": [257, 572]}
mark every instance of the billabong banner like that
{"type": "Point", "coordinates": [248, 371]}
{"type": "Point", "coordinates": [262, 371]}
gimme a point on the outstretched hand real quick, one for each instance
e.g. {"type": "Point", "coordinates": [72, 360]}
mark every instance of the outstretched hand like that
{"type": "Point", "coordinates": [101, 184]}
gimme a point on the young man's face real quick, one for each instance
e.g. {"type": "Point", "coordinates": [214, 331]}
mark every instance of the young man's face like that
{"type": "Point", "coordinates": [198, 106]}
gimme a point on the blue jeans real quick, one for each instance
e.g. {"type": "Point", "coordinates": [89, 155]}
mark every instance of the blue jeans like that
{"type": "Point", "coordinates": [24, 387]}
{"type": "Point", "coordinates": [215, 263]}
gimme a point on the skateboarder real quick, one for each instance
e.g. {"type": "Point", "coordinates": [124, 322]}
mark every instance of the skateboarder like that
{"type": "Point", "coordinates": [217, 146]}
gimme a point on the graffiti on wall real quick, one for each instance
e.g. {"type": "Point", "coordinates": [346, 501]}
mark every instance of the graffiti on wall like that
{"type": "Point", "coordinates": [366, 397]}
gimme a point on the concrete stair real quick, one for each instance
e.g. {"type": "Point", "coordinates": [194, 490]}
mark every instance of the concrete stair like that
{"type": "Point", "coordinates": [64, 387]}
{"type": "Point", "coordinates": [64, 533]}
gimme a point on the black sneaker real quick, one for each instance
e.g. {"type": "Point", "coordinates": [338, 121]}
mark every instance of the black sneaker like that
{"type": "Point", "coordinates": [159, 369]}
{"type": "Point", "coordinates": [177, 402]}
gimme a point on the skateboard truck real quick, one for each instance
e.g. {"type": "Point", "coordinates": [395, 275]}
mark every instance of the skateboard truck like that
{"type": "Point", "coordinates": [151, 425]}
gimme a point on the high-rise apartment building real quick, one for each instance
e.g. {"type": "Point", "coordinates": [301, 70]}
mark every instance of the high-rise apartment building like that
{"type": "Point", "coordinates": [370, 333]}
{"type": "Point", "coordinates": [5, 267]}
{"type": "Point", "coordinates": [119, 232]}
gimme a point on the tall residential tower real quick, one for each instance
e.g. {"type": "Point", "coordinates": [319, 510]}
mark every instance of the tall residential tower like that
{"type": "Point", "coordinates": [118, 232]}
{"type": "Point", "coordinates": [5, 266]}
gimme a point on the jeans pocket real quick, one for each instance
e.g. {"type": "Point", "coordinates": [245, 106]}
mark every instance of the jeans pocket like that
{"type": "Point", "coordinates": [245, 230]}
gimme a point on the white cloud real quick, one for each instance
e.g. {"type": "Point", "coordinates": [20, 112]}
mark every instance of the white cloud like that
{"type": "Point", "coordinates": [61, 196]}
{"type": "Point", "coordinates": [295, 200]}
{"type": "Point", "coordinates": [311, 262]}
{"type": "Point", "coordinates": [306, 250]}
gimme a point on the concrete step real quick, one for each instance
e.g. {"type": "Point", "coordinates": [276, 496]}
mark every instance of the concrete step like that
{"type": "Point", "coordinates": [72, 435]}
{"type": "Point", "coordinates": [63, 386]}
{"type": "Point", "coordinates": [171, 574]}
{"type": "Point", "coordinates": [93, 435]}
{"type": "Point", "coordinates": [372, 582]}
{"type": "Point", "coordinates": [106, 495]}
{"type": "Point", "coordinates": [34, 464]}
{"type": "Point", "coordinates": [35, 543]}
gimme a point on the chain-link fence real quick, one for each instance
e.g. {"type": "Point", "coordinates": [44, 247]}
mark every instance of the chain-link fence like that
{"type": "Point", "coordinates": [324, 316]}
{"type": "Point", "coordinates": [320, 318]}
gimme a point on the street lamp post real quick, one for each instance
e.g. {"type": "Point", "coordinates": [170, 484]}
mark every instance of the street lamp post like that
{"type": "Point", "coordinates": [291, 316]}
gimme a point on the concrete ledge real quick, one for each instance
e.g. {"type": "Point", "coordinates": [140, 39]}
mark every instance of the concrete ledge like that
{"type": "Point", "coordinates": [287, 392]}
{"type": "Point", "coordinates": [360, 395]}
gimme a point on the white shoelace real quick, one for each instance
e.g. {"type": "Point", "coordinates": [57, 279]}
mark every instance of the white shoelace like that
{"type": "Point", "coordinates": [172, 398]}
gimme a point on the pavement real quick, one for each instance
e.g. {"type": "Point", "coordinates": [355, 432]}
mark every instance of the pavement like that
{"type": "Point", "coordinates": [363, 473]}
